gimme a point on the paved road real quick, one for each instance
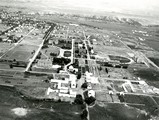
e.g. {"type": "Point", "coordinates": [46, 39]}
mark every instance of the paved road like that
{"type": "Point", "coordinates": [88, 117]}
{"type": "Point", "coordinates": [72, 50]}
{"type": "Point", "coordinates": [142, 55]}
{"type": "Point", "coordinates": [123, 103]}
{"type": "Point", "coordinates": [124, 80]}
{"type": "Point", "coordinates": [148, 60]}
{"type": "Point", "coordinates": [143, 94]}
{"type": "Point", "coordinates": [40, 46]}
{"type": "Point", "coordinates": [67, 33]}
{"type": "Point", "coordinates": [85, 39]}
{"type": "Point", "coordinates": [88, 58]}
{"type": "Point", "coordinates": [92, 63]}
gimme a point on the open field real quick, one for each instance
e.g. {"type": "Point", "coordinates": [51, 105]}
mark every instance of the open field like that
{"type": "Point", "coordinates": [115, 73]}
{"type": "Point", "coordinates": [5, 66]}
{"type": "Point", "coordinates": [108, 50]}
{"type": "Point", "coordinates": [115, 112]}
{"type": "Point", "coordinates": [51, 49]}
{"type": "Point", "coordinates": [34, 38]}
{"type": "Point", "coordinates": [40, 110]}
{"type": "Point", "coordinates": [103, 97]}
{"type": "Point", "coordinates": [149, 102]}
{"type": "Point", "coordinates": [155, 60]}
{"type": "Point", "coordinates": [20, 53]}
{"type": "Point", "coordinates": [109, 26]}
{"type": "Point", "coordinates": [4, 47]}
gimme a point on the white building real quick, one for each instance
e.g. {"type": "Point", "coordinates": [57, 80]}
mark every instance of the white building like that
{"type": "Point", "coordinates": [90, 78]}
{"type": "Point", "coordinates": [49, 90]}
{"type": "Point", "coordinates": [64, 86]}
{"type": "Point", "coordinates": [91, 93]}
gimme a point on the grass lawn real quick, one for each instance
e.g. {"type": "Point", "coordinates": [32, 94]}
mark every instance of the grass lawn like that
{"type": "Point", "coordinates": [150, 104]}
{"type": "Point", "coordinates": [20, 53]}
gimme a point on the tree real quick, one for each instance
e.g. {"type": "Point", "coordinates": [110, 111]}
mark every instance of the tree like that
{"type": "Point", "coordinates": [53, 54]}
{"type": "Point", "coordinates": [90, 100]}
{"type": "Point", "coordinates": [1, 38]}
{"type": "Point", "coordinates": [100, 68]}
{"type": "Point", "coordinates": [18, 63]}
{"type": "Point", "coordinates": [106, 70]}
{"type": "Point", "coordinates": [78, 99]}
{"type": "Point", "coordinates": [84, 114]}
{"type": "Point", "coordinates": [83, 106]}
{"type": "Point", "coordinates": [50, 77]}
{"type": "Point", "coordinates": [84, 85]}
{"type": "Point", "coordinates": [79, 75]}
{"type": "Point", "coordinates": [11, 66]}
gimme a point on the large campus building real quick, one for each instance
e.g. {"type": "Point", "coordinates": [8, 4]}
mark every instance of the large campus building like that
{"type": "Point", "coordinates": [64, 85]}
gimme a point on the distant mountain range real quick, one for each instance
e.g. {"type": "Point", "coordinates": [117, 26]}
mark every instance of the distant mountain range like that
{"type": "Point", "coordinates": [136, 7]}
{"type": "Point", "coordinates": [139, 10]}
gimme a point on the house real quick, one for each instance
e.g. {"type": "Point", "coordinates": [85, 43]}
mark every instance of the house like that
{"type": "Point", "coordinates": [72, 93]}
{"type": "Point", "coordinates": [94, 41]}
{"type": "Point", "coordinates": [4, 38]}
{"type": "Point", "coordinates": [61, 84]}
{"type": "Point", "coordinates": [91, 93]}
{"type": "Point", "coordinates": [72, 69]}
{"type": "Point", "coordinates": [65, 81]}
{"type": "Point", "coordinates": [49, 90]}
{"type": "Point", "coordinates": [73, 79]}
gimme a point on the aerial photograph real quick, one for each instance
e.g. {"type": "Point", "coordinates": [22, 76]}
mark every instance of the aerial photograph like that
{"type": "Point", "coordinates": [79, 59]}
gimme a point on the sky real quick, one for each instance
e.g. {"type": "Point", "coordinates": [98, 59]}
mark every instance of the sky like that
{"type": "Point", "coordinates": [145, 7]}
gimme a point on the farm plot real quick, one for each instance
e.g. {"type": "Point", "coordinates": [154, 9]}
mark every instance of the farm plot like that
{"type": "Point", "coordinates": [148, 101]}
{"type": "Point", "coordinates": [35, 38]}
{"type": "Point", "coordinates": [4, 47]}
{"type": "Point", "coordinates": [20, 53]}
